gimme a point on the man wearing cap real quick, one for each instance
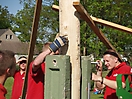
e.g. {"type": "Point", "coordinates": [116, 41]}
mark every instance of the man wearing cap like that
{"type": "Point", "coordinates": [19, 78]}
{"type": "Point", "coordinates": [115, 66]}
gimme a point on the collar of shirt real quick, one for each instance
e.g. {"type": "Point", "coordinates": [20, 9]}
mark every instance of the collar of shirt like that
{"type": "Point", "coordinates": [2, 88]}
{"type": "Point", "coordinates": [123, 63]}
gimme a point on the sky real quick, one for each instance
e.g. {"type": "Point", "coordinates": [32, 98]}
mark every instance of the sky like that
{"type": "Point", "coordinates": [13, 5]}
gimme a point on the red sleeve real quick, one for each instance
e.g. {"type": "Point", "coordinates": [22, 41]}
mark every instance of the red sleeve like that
{"type": "Point", "coordinates": [42, 67]}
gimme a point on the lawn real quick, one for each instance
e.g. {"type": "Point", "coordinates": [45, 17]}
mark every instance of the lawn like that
{"type": "Point", "coordinates": [9, 82]}
{"type": "Point", "coordinates": [8, 85]}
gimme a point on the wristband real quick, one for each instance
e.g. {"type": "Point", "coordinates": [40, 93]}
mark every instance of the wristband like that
{"type": "Point", "coordinates": [53, 47]}
{"type": "Point", "coordinates": [59, 42]}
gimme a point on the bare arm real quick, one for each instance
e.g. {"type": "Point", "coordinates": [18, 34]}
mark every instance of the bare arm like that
{"type": "Point", "coordinates": [99, 73]}
{"type": "Point", "coordinates": [39, 59]}
{"type": "Point", "coordinates": [111, 83]}
{"type": "Point", "coordinates": [102, 82]}
{"type": "Point", "coordinates": [98, 80]}
{"type": "Point", "coordinates": [53, 47]}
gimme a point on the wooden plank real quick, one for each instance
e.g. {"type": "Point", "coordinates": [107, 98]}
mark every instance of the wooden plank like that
{"type": "Point", "coordinates": [112, 25]}
{"type": "Point", "coordinates": [69, 25]}
{"type": "Point", "coordinates": [91, 23]}
{"type": "Point", "coordinates": [104, 22]}
{"type": "Point", "coordinates": [32, 43]}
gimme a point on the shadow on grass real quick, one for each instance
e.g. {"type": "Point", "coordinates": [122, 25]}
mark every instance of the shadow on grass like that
{"type": "Point", "coordinates": [101, 97]}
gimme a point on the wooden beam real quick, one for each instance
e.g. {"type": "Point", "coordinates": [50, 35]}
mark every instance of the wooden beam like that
{"type": "Point", "coordinates": [112, 25]}
{"type": "Point", "coordinates": [91, 23]}
{"type": "Point", "coordinates": [104, 22]}
{"type": "Point", "coordinates": [32, 43]}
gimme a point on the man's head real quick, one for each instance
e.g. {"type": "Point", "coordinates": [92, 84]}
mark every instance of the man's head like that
{"type": "Point", "coordinates": [7, 63]}
{"type": "Point", "coordinates": [22, 62]}
{"type": "Point", "coordinates": [111, 59]}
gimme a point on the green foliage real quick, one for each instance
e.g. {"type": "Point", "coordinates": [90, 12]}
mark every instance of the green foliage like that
{"type": "Point", "coordinates": [116, 11]}
{"type": "Point", "coordinates": [47, 28]}
{"type": "Point", "coordinates": [5, 18]}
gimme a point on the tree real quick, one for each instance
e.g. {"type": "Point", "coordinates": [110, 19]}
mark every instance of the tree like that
{"type": "Point", "coordinates": [48, 24]}
{"type": "Point", "coordinates": [116, 11]}
{"type": "Point", "coordinates": [5, 18]}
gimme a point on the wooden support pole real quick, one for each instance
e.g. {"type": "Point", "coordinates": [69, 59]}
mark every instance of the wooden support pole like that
{"type": "Point", "coordinates": [32, 43]}
{"type": "Point", "coordinates": [93, 26]}
{"type": "Point", "coordinates": [70, 25]}
{"type": "Point", "coordinates": [91, 23]}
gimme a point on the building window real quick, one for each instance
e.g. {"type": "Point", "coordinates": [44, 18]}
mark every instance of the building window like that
{"type": "Point", "coordinates": [6, 36]}
{"type": "Point", "coordinates": [9, 36]}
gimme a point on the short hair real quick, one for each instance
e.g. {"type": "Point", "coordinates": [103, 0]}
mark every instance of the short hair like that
{"type": "Point", "coordinates": [7, 60]}
{"type": "Point", "coordinates": [113, 53]}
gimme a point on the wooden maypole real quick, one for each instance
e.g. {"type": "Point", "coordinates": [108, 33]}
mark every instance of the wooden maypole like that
{"type": "Point", "coordinates": [70, 25]}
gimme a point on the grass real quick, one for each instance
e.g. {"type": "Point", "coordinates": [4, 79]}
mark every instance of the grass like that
{"type": "Point", "coordinates": [96, 96]}
{"type": "Point", "coordinates": [8, 86]}
{"type": "Point", "coordinates": [9, 82]}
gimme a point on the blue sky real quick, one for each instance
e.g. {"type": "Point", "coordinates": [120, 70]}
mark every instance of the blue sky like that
{"type": "Point", "coordinates": [13, 5]}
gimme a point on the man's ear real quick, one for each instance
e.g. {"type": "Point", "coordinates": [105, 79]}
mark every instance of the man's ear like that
{"type": "Point", "coordinates": [8, 71]}
{"type": "Point", "coordinates": [116, 59]}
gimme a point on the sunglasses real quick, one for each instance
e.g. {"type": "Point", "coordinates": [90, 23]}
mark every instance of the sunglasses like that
{"type": "Point", "coordinates": [24, 61]}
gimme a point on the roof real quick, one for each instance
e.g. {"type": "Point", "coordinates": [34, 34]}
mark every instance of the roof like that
{"type": "Point", "coordinates": [3, 31]}
{"type": "Point", "coordinates": [16, 47]}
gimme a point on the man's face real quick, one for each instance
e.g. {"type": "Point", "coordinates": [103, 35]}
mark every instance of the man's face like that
{"type": "Point", "coordinates": [109, 61]}
{"type": "Point", "coordinates": [23, 65]}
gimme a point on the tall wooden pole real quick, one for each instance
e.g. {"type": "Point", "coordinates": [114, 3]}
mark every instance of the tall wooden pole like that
{"type": "Point", "coordinates": [70, 25]}
{"type": "Point", "coordinates": [32, 43]}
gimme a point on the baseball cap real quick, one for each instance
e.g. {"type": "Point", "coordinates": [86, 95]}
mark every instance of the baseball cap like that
{"type": "Point", "coordinates": [22, 58]}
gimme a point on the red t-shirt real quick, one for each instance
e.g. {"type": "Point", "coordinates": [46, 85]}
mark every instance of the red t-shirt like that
{"type": "Point", "coordinates": [3, 92]}
{"type": "Point", "coordinates": [120, 69]}
{"type": "Point", "coordinates": [35, 89]}
{"type": "Point", "coordinates": [17, 85]}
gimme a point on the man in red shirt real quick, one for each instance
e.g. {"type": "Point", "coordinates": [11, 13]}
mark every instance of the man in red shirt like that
{"type": "Point", "coordinates": [19, 78]}
{"type": "Point", "coordinates": [115, 65]}
{"type": "Point", "coordinates": [35, 89]}
{"type": "Point", "coordinates": [7, 69]}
